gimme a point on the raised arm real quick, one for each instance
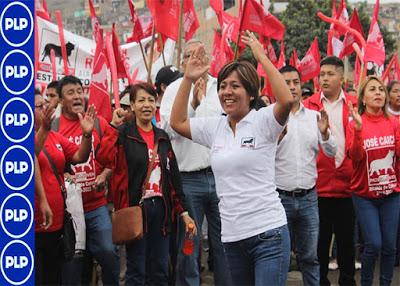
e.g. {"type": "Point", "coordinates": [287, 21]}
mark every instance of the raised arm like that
{"type": "Point", "coordinates": [196, 67]}
{"type": "Point", "coordinates": [87, 125]}
{"type": "Point", "coordinates": [41, 134]}
{"type": "Point", "coordinates": [354, 136]}
{"type": "Point", "coordinates": [284, 99]}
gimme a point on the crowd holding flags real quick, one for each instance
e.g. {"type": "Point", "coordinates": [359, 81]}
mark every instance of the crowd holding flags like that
{"type": "Point", "coordinates": [345, 36]}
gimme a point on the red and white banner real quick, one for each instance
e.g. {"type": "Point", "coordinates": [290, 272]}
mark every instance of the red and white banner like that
{"type": "Point", "coordinates": [80, 55]}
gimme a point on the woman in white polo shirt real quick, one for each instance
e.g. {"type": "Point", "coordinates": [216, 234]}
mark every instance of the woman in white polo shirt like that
{"type": "Point", "coordinates": [243, 145]}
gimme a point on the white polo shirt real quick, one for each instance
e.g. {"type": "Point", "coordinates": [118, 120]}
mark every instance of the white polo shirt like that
{"type": "Point", "coordinates": [244, 170]}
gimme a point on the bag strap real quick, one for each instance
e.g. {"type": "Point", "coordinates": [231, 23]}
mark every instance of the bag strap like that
{"type": "Point", "coordinates": [53, 167]}
{"type": "Point", "coordinates": [150, 168]}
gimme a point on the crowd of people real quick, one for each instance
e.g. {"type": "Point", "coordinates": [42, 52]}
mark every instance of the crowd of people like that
{"type": "Point", "coordinates": [271, 179]}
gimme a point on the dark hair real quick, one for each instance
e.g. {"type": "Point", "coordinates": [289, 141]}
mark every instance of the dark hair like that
{"type": "Point", "coordinates": [289, 68]}
{"type": "Point", "coordinates": [37, 91]}
{"type": "Point", "coordinates": [141, 85]}
{"type": "Point", "coordinates": [248, 58]}
{"type": "Point", "coordinates": [391, 84]}
{"type": "Point", "coordinates": [361, 91]}
{"type": "Point", "coordinates": [53, 84]}
{"type": "Point", "coordinates": [247, 75]}
{"type": "Point", "coordinates": [332, 60]}
{"type": "Point", "coordinates": [69, 79]}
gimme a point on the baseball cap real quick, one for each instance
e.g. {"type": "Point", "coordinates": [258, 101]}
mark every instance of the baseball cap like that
{"type": "Point", "coordinates": [166, 75]}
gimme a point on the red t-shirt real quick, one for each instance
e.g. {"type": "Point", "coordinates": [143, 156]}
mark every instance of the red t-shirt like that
{"type": "Point", "coordinates": [153, 186]}
{"type": "Point", "coordinates": [86, 173]}
{"type": "Point", "coordinates": [61, 152]}
{"type": "Point", "coordinates": [373, 151]}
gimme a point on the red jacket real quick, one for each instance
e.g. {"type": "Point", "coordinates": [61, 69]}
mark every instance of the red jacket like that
{"type": "Point", "coordinates": [332, 182]}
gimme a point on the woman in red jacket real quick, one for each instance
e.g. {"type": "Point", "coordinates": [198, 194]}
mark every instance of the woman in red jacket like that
{"type": "Point", "coordinates": [373, 148]}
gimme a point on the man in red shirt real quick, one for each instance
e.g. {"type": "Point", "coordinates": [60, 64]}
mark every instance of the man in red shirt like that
{"type": "Point", "coordinates": [92, 177]}
{"type": "Point", "coordinates": [336, 212]}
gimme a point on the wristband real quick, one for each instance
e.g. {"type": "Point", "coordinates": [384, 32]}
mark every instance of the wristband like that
{"type": "Point", "coordinates": [88, 135]}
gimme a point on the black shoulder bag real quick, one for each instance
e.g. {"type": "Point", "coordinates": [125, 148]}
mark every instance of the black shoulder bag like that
{"type": "Point", "coordinates": [68, 233]}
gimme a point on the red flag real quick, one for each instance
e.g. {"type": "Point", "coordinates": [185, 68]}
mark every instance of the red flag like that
{"type": "Point", "coordinates": [217, 5]}
{"type": "Point", "coordinates": [271, 52]}
{"type": "Point", "coordinates": [94, 20]}
{"type": "Point", "coordinates": [190, 21]}
{"type": "Point", "coordinates": [343, 16]}
{"type": "Point", "coordinates": [166, 17]}
{"type": "Point", "coordinates": [294, 59]}
{"type": "Point", "coordinates": [255, 19]}
{"type": "Point", "coordinates": [120, 57]}
{"type": "Point", "coordinates": [41, 10]}
{"type": "Point", "coordinates": [375, 49]}
{"type": "Point", "coordinates": [309, 65]}
{"type": "Point", "coordinates": [217, 56]}
{"type": "Point", "coordinates": [137, 32]}
{"type": "Point", "coordinates": [392, 71]}
{"type": "Point", "coordinates": [98, 89]}
{"type": "Point", "coordinates": [230, 26]}
{"type": "Point", "coordinates": [349, 38]}
{"type": "Point", "coordinates": [282, 59]}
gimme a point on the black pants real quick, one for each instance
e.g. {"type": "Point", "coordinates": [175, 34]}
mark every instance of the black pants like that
{"type": "Point", "coordinates": [336, 216]}
{"type": "Point", "coordinates": [48, 258]}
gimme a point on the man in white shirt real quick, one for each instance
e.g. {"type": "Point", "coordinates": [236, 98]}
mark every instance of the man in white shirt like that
{"type": "Point", "coordinates": [336, 213]}
{"type": "Point", "coordinates": [197, 176]}
{"type": "Point", "coordinates": [296, 175]}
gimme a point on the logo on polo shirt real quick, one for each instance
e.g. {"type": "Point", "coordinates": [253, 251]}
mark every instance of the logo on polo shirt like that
{"type": "Point", "coordinates": [248, 142]}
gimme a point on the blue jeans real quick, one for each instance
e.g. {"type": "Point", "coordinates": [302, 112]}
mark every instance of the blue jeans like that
{"type": "Point", "coordinates": [147, 258]}
{"type": "Point", "coordinates": [199, 189]}
{"type": "Point", "coordinates": [260, 260]}
{"type": "Point", "coordinates": [303, 223]}
{"type": "Point", "coordinates": [378, 219]}
{"type": "Point", "coordinates": [99, 244]}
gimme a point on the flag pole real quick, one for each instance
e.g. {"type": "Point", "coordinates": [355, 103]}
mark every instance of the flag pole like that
{"type": "Point", "coordinates": [62, 41]}
{"type": "Point", "coordinates": [143, 55]}
{"type": "Point", "coordinates": [240, 27]}
{"type": "Point", "coordinates": [162, 49]}
{"type": "Point", "coordinates": [179, 51]}
{"type": "Point", "coordinates": [153, 34]}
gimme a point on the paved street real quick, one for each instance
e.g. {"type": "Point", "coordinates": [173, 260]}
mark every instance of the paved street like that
{"type": "Point", "coordinates": [294, 277]}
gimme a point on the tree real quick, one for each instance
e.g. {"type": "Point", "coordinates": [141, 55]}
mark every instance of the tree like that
{"type": "Point", "coordinates": [303, 25]}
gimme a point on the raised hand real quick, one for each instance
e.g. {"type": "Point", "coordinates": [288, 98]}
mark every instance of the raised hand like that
{"type": "Point", "coordinates": [356, 116]}
{"type": "Point", "coordinates": [118, 117]}
{"type": "Point", "coordinates": [251, 40]}
{"type": "Point", "coordinates": [48, 116]}
{"type": "Point", "coordinates": [197, 65]}
{"type": "Point", "coordinates": [87, 120]}
{"type": "Point", "coordinates": [323, 123]}
{"type": "Point", "coordinates": [199, 92]}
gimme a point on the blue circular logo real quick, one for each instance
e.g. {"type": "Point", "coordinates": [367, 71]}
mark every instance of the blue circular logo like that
{"type": "Point", "coordinates": [16, 120]}
{"type": "Point", "coordinates": [16, 168]}
{"type": "Point", "coordinates": [16, 262]}
{"type": "Point", "coordinates": [16, 72]}
{"type": "Point", "coordinates": [16, 215]}
{"type": "Point", "coordinates": [16, 24]}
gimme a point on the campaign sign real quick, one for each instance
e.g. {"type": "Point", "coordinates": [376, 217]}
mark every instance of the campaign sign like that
{"type": "Point", "coordinates": [16, 120]}
{"type": "Point", "coordinates": [16, 262]}
{"type": "Point", "coordinates": [16, 23]}
{"type": "Point", "coordinates": [16, 72]}
{"type": "Point", "coordinates": [16, 215]}
{"type": "Point", "coordinates": [16, 168]}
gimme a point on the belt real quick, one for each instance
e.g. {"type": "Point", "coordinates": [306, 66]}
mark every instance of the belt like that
{"type": "Point", "coordinates": [205, 170]}
{"type": "Point", "coordinates": [296, 192]}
